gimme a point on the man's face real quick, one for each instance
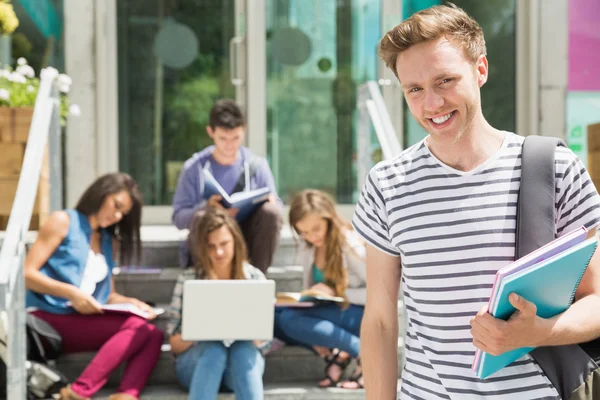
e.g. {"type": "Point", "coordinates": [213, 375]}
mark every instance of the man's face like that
{"type": "Point", "coordinates": [227, 141]}
{"type": "Point", "coordinates": [441, 87]}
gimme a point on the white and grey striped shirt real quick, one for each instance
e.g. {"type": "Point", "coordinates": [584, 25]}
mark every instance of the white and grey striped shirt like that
{"type": "Point", "coordinates": [453, 230]}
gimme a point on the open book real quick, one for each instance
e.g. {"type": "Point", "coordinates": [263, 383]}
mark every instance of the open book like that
{"type": "Point", "coordinates": [246, 201]}
{"type": "Point", "coordinates": [130, 309]}
{"type": "Point", "coordinates": [307, 297]}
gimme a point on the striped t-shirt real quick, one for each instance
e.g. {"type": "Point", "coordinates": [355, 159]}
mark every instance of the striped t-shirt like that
{"type": "Point", "coordinates": [453, 230]}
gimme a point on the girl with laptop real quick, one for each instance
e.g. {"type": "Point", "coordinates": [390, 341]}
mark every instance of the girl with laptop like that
{"type": "Point", "coordinates": [333, 257]}
{"type": "Point", "coordinates": [68, 274]}
{"type": "Point", "coordinates": [203, 367]}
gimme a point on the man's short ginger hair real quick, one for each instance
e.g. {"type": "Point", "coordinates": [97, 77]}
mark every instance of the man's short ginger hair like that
{"type": "Point", "coordinates": [430, 24]}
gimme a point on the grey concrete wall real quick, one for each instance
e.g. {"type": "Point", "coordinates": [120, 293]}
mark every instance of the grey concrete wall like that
{"type": "Point", "coordinates": [80, 62]}
{"type": "Point", "coordinates": [554, 67]}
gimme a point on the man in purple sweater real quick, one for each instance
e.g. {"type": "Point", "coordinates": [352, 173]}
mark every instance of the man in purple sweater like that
{"type": "Point", "coordinates": [236, 169]}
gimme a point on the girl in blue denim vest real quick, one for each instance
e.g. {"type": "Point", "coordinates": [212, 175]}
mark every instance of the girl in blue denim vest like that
{"type": "Point", "coordinates": [68, 274]}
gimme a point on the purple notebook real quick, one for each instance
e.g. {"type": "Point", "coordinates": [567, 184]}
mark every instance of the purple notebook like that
{"type": "Point", "coordinates": [551, 249]}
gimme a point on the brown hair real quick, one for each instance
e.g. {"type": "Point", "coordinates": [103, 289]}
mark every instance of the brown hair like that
{"type": "Point", "coordinates": [431, 24]}
{"type": "Point", "coordinates": [202, 227]}
{"type": "Point", "coordinates": [317, 202]}
{"type": "Point", "coordinates": [127, 230]}
{"type": "Point", "coordinates": [226, 114]}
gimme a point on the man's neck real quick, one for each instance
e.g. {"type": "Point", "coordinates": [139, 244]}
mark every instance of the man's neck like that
{"type": "Point", "coordinates": [472, 149]}
{"type": "Point", "coordinates": [224, 160]}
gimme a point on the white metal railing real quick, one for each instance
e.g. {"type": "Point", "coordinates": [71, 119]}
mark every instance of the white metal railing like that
{"type": "Point", "coordinates": [373, 111]}
{"type": "Point", "coordinates": [12, 255]}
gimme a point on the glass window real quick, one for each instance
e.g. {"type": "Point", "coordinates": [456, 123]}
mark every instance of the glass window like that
{"type": "Point", "coordinates": [318, 53]}
{"type": "Point", "coordinates": [498, 95]}
{"type": "Point", "coordinates": [38, 37]}
{"type": "Point", "coordinates": [164, 105]}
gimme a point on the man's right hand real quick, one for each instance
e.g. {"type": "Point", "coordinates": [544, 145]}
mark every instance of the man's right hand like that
{"type": "Point", "coordinates": [215, 201]}
{"type": "Point", "coordinates": [83, 303]}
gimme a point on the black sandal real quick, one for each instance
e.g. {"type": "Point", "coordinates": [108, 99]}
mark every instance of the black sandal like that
{"type": "Point", "coordinates": [333, 359]}
{"type": "Point", "coordinates": [355, 377]}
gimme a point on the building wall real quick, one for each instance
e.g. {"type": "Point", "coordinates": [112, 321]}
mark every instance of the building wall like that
{"type": "Point", "coordinates": [542, 70]}
{"type": "Point", "coordinates": [80, 64]}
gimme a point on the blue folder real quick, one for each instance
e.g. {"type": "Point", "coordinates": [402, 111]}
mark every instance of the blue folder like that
{"type": "Point", "coordinates": [550, 285]}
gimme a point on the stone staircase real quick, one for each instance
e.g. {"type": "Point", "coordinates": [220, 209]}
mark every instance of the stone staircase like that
{"type": "Point", "coordinates": [291, 373]}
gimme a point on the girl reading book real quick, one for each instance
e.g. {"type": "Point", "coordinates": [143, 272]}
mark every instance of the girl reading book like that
{"type": "Point", "coordinates": [68, 274]}
{"type": "Point", "coordinates": [204, 367]}
{"type": "Point", "coordinates": [333, 257]}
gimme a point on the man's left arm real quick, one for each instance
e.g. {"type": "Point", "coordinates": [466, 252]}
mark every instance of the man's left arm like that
{"type": "Point", "coordinates": [577, 204]}
{"type": "Point", "coordinates": [579, 324]}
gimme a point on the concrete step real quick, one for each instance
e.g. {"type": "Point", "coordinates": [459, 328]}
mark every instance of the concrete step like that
{"type": "Point", "coordinates": [157, 287]}
{"type": "Point", "coordinates": [161, 244]}
{"type": "Point", "coordinates": [289, 364]}
{"type": "Point", "coordinates": [282, 391]}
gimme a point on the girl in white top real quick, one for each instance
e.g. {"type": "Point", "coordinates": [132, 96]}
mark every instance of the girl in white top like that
{"type": "Point", "coordinates": [333, 257]}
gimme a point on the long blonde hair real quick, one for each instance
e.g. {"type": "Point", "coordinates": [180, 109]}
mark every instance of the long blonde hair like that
{"type": "Point", "coordinates": [212, 220]}
{"type": "Point", "coordinates": [316, 202]}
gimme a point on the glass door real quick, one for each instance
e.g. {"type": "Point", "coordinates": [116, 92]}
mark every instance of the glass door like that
{"type": "Point", "coordinates": [175, 59]}
{"type": "Point", "coordinates": [318, 52]}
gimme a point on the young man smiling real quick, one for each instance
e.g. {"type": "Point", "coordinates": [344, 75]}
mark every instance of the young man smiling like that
{"type": "Point", "coordinates": [236, 169]}
{"type": "Point", "coordinates": [441, 219]}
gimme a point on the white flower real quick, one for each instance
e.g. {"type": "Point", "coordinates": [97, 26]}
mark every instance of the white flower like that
{"type": "Point", "coordinates": [26, 70]}
{"type": "Point", "coordinates": [4, 94]}
{"type": "Point", "coordinates": [63, 88]}
{"type": "Point", "coordinates": [22, 61]}
{"type": "Point", "coordinates": [64, 80]}
{"type": "Point", "coordinates": [30, 88]}
{"type": "Point", "coordinates": [4, 73]}
{"type": "Point", "coordinates": [17, 78]}
{"type": "Point", "coordinates": [74, 110]}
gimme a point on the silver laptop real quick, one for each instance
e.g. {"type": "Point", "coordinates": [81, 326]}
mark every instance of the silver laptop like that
{"type": "Point", "coordinates": [228, 310]}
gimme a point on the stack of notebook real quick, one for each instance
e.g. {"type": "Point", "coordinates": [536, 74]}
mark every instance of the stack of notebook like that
{"type": "Point", "coordinates": [547, 277]}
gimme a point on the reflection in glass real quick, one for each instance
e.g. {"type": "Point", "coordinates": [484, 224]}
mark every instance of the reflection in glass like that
{"type": "Point", "coordinates": [311, 106]}
{"type": "Point", "coordinates": [163, 111]}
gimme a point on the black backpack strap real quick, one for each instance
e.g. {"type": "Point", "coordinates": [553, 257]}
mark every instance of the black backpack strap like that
{"type": "Point", "coordinates": [567, 367]}
{"type": "Point", "coordinates": [253, 164]}
{"type": "Point", "coordinates": [536, 213]}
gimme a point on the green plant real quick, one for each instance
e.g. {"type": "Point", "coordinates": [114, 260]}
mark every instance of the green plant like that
{"type": "Point", "coordinates": [8, 19]}
{"type": "Point", "coordinates": [19, 88]}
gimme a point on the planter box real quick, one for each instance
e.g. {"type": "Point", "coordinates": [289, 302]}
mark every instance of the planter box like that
{"type": "Point", "coordinates": [14, 131]}
{"type": "Point", "coordinates": [11, 159]}
{"type": "Point", "coordinates": [14, 124]}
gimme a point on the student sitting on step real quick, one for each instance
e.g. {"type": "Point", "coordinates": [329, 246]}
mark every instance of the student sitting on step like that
{"type": "Point", "coordinates": [204, 367]}
{"type": "Point", "coordinates": [333, 257]}
{"type": "Point", "coordinates": [236, 169]}
{"type": "Point", "coordinates": [68, 274]}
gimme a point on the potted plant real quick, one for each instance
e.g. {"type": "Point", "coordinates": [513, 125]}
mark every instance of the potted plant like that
{"type": "Point", "coordinates": [18, 91]}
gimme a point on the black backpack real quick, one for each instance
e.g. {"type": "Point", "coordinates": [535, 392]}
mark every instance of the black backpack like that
{"type": "Point", "coordinates": [44, 346]}
{"type": "Point", "coordinates": [572, 369]}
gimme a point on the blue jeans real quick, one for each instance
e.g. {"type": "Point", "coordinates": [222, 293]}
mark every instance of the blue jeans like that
{"type": "Point", "coordinates": [203, 367]}
{"type": "Point", "coordinates": [328, 326]}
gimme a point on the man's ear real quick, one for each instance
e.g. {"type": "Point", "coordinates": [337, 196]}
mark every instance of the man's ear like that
{"type": "Point", "coordinates": [210, 131]}
{"type": "Point", "coordinates": [481, 69]}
